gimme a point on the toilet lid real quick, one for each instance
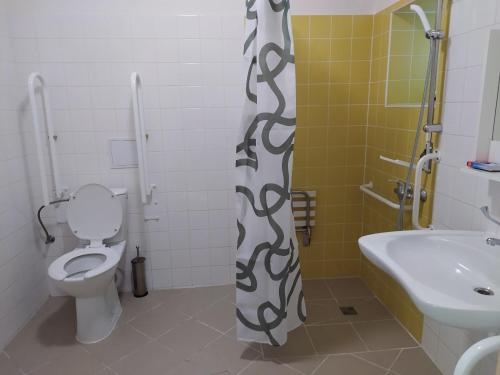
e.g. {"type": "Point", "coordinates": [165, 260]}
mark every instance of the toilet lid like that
{"type": "Point", "coordinates": [94, 213]}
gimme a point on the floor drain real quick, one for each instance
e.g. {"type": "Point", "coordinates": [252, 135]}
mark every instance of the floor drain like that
{"type": "Point", "coordinates": [484, 291]}
{"type": "Point", "coordinates": [348, 310]}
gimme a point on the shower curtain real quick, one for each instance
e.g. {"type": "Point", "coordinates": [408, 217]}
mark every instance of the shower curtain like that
{"type": "Point", "coordinates": [269, 297]}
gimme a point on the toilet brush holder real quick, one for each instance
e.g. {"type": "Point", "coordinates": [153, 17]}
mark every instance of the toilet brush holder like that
{"type": "Point", "coordinates": [139, 275]}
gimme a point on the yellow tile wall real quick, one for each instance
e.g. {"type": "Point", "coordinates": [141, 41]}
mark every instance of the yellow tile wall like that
{"type": "Point", "coordinates": [342, 128]}
{"type": "Point", "coordinates": [333, 72]}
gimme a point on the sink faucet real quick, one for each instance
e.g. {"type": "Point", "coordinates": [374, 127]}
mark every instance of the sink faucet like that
{"type": "Point", "coordinates": [493, 241]}
{"type": "Point", "coordinates": [486, 212]}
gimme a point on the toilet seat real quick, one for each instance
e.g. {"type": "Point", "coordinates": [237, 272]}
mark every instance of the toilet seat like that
{"type": "Point", "coordinates": [58, 269]}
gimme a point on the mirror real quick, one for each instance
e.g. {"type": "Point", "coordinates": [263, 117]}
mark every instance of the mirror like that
{"type": "Point", "coordinates": [495, 136]}
{"type": "Point", "coordinates": [488, 146]}
{"type": "Point", "coordinates": [408, 55]}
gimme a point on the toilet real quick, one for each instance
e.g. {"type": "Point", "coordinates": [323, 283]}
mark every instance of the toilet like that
{"type": "Point", "coordinates": [96, 215]}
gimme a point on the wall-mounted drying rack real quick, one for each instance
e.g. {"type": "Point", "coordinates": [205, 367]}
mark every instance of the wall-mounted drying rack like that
{"type": "Point", "coordinates": [303, 204]}
{"type": "Point", "coordinates": [368, 189]}
{"type": "Point", "coordinates": [141, 138]}
{"type": "Point", "coordinates": [59, 190]}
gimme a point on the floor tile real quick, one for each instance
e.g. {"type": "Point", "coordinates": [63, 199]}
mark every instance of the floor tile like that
{"type": "Point", "coordinates": [221, 315]}
{"type": "Point", "coordinates": [192, 301]}
{"type": "Point", "coordinates": [231, 334]}
{"type": "Point", "coordinates": [123, 341]}
{"type": "Point", "coordinates": [367, 309]}
{"type": "Point", "coordinates": [384, 358]}
{"type": "Point", "coordinates": [224, 354]}
{"type": "Point", "coordinates": [415, 362]}
{"type": "Point", "coordinates": [333, 339]}
{"type": "Point", "coordinates": [385, 334]}
{"type": "Point", "coordinates": [305, 365]}
{"type": "Point", "coordinates": [76, 362]}
{"type": "Point", "coordinates": [315, 289]}
{"type": "Point", "coordinates": [106, 371]}
{"type": "Point", "coordinates": [192, 368]}
{"type": "Point", "coordinates": [348, 288]}
{"type": "Point", "coordinates": [49, 336]}
{"type": "Point", "coordinates": [7, 366]}
{"type": "Point", "coordinates": [189, 337]}
{"type": "Point", "coordinates": [156, 322]}
{"type": "Point", "coordinates": [133, 307]}
{"type": "Point", "coordinates": [268, 366]}
{"type": "Point", "coordinates": [324, 311]}
{"type": "Point", "coordinates": [348, 365]}
{"type": "Point", "coordinates": [150, 359]}
{"type": "Point", "coordinates": [179, 332]}
{"type": "Point", "coordinates": [298, 345]}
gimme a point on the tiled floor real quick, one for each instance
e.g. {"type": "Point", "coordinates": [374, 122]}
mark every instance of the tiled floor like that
{"type": "Point", "coordinates": [191, 332]}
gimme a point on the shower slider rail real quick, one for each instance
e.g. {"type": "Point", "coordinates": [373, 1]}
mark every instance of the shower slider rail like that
{"type": "Point", "coordinates": [303, 204]}
{"type": "Point", "coordinates": [368, 189]}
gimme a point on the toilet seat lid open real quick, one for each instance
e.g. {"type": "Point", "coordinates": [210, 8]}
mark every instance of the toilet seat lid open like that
{"type": "Point", "coordinates": [94, 213]}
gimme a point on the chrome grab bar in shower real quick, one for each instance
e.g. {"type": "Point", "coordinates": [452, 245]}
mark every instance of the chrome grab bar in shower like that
{"type": "Point", "coordinates": [368, 189]}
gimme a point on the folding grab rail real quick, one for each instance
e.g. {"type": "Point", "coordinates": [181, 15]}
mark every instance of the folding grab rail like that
{"type": "Point", "coordinates": [141, 138]}
{"type": "Point", "coordinates": [59, 190]}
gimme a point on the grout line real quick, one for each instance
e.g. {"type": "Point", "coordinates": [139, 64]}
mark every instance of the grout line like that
{"type": "Point", "coordinates": [320, 365]}
{"type": "Point", "coordinates": [359, 336]}
{"type": "Point", "coordinates": [370, 362]}
{"type": "Point", "coordinates": [395, 359]}
{"type": "Point", "coordinates": [311, 340]}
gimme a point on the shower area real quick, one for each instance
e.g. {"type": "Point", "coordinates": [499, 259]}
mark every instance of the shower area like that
{"type": "Point", "coordinates": [360, 95]}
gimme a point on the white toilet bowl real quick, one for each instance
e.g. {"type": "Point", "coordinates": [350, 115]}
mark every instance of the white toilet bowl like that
{"type": "Point", "coordinates": [94, 214]}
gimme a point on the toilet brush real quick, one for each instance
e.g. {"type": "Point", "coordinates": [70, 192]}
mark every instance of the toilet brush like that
{"type": "Point", "coordinates": [139, 275]}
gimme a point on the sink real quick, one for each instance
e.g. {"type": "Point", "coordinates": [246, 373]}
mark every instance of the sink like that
{"type": "Point", "coordinates": [451, 276]}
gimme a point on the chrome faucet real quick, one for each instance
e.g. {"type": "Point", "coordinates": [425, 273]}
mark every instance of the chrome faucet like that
{"type": "Point", "coordinates": [493, 241]}
{"type": "Point", "coordinates": [486, 212]}
{"type": "Point", "coordinates": [490, 240]}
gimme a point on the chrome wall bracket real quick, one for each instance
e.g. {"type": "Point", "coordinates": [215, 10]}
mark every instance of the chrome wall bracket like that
{"type": "Point", "coordinates": [433, 128]}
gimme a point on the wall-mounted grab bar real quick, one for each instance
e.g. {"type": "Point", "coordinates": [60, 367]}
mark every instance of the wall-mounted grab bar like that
{"type": "Point", "coordinates": [368, 189]}
{"type": "Point", "coordinates": [418, 187]}
{"type": "Point", "coordinates": [141, 138]}
{"type": "Point", "coordinates": [59, 190]}
{"type": "Point", "coordinates": [401, 163]}
{"type": "Point", "coordinates": [475, 354]}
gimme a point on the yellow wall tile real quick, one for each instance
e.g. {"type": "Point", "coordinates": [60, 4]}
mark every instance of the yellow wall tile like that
{"type": "Point", "coordinates": [342, 26]}
{"type": "Point", "coordinates": [319, 49]}
{"type": "Point", "coordinates": [362, 26]}
{"type": "Point", "coordinates": [300, 27]}
{"type": "Point", "coordinates": [321, 27]}
{"type": "Point", "coordinates": [341, 49]}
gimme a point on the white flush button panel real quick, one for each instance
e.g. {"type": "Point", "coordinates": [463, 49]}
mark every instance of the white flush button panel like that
{"type": "Point", "coordinates": [123, 153]}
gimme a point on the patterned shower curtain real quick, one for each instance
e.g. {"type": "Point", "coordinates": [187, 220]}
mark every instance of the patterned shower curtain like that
{"type": "Point", "coordinates": [269, 297]}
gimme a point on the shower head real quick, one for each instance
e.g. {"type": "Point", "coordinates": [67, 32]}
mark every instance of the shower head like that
{"type": "Point", "coordinates": [423, 18]}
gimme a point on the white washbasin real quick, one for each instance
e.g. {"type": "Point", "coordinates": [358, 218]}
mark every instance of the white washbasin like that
{"type": "Point", "coordinates": [440, 270]}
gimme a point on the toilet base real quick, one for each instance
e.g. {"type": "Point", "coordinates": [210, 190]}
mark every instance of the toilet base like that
{"type": "Point", "coordinates": [96, 317]}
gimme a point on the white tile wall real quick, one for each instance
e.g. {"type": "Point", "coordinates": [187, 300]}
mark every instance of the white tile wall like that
{"type": "Point", "coordinates": [459, 196]}
{"type": "Point", "coordinates": [22, 273]}
{"type": "Point", "coordinates": [189, 57]}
